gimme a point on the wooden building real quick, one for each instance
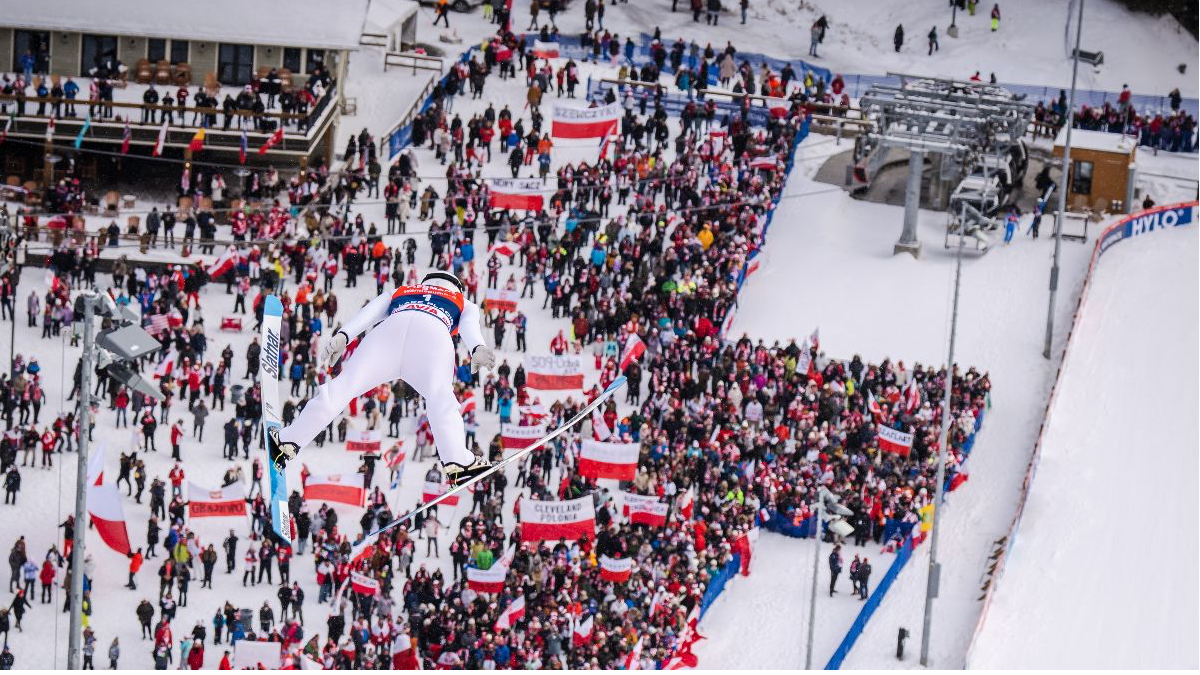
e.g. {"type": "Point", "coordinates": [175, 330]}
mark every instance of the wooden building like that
{"type": "Point", "coordinates": [1102, 170]}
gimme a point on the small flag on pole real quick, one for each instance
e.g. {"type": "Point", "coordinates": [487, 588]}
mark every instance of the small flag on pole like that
{"type": "Point", "coordinates": [87, 124]}
{"type": "Point", "coordinates": [126, 137]}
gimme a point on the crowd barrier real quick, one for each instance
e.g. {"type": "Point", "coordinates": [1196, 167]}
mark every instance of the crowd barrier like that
{"type": "Point", "coordinates": [1131, 226]}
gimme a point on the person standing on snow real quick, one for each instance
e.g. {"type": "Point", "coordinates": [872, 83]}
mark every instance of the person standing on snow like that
{"type": "Point", "coordinates": [835, 567]}
{"type": "Point", "coordinates": [933, 43]}
{"type": "Point", "coordinates": [898, 38]}
{"type": "Point", "coordinates": [410, 337]}
{"type": "Point", "coordinates": [995, 17]}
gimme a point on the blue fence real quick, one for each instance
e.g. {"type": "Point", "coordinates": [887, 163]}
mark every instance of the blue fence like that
{"type": "Point", "coordinates": [716, 585]}
{"type": "Point", "coordinates": [401, 137]}
{"type": "Point", "coordinates": [869, 607]}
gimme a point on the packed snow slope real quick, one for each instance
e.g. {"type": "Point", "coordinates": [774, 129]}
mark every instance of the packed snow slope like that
{"type": "Point", "coordinates": [1118, 468]}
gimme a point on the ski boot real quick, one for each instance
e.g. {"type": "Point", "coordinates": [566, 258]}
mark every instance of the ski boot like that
{"type": "Point", "coordinates": [280, 452]}
{"type": "Point", "coordinates": [457, 474]}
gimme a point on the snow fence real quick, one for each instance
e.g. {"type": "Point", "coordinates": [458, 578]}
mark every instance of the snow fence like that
{"type": "Point", "coordinates": [1134, 225]}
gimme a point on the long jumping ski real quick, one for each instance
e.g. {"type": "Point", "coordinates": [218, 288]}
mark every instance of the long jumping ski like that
{"type": "Point", "coordinates": [576, 419]}
{"type": "Point", "coordinates": [268, 369]}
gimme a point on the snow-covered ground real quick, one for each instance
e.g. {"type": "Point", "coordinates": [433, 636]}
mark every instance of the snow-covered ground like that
{"type": "Point", "coordinates": [833, 255]}
{"type": "Point", "coordinates": [760, 622]}
{"type": "Point", "coordinates": [1118, 469]}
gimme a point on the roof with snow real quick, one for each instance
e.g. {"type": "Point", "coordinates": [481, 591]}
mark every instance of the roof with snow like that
{"type": "Point", "coordinates": [299, 23]}
{"type": "Point", "coordinates": [383, 14]}
{"type": "Point", "coordinates": [1101, 141]}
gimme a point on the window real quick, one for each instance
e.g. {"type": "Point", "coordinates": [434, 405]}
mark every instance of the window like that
{"type": "Point", "coordinates": [235, 64]}
{"type": "Point", "coordinates": [156, 50]}
{"type": "Point", "coordinates": [291, 59]}
{"type": "Point", "coordinates": [96, 50]}
{"type": "Point", "coordinates": [316, 59]}
{"type": "Point", "coordinates": [179, 51]}
{"type": "Point", "coordinates": [1081, 178]}
{"type": "Point", "coordinates": [37, 43]}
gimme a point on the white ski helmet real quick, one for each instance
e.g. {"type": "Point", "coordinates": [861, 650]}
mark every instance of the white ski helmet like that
{"type": "Point", "coordinates": [445, 280]}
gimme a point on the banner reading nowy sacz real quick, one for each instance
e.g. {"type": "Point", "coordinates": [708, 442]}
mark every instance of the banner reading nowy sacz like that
{"type": "Point", "coordinates": [551, 521]}
{"type": "Point", "coordinates": [516, 193]}
{"type": "Point", "coordinates": [573, 122]}
{"type": "Point", "coordinates": [554, 373]}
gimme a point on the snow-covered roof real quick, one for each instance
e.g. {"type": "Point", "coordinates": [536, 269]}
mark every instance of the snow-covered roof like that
{"type": "Point", "coordinates": [383, 14]}
{"type": "Point", "coordinates": [1102, 141]}
{"type": "Point", "coordinates": [299, 23]}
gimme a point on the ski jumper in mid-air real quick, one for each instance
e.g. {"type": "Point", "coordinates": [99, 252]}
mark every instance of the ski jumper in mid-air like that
{"type": "Point", "coordinates": [408, 336]}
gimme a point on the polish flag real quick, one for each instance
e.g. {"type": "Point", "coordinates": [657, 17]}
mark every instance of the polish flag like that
{"type": "Point", "coordinates": [573, 122]}
{"type": "Point", "coordinates": [582, 633]}
{"type": "Point", "coordinates": [605, 141]}
{"type": "Point", "coordinates": [394, 456]}
{"type": "Point", "coordinates": [50, 130]}
{"type": "Point", "coordinates": [634, 660]}
{"type": "Point", "coordinates": [104, 507]}
{"type": "Point", "coordinates": [513, 437]}
{"type": "Point", "coordinates": [505, 248]}
{"type": "Point", "coordinates": [554, 520]}
{"type": "Point", "coordinates": [766, 163]}
{"type": "Point", "coordinates": [490, 580]}
{"type": "Point", "coordinates": [363, 584]}
{"type": "Point", "coordinates": [912, 397]}
{"type": "Point", "coordinates": [779, 107]}
{"type": "Point", "coordinates": [554, 373]}
{"type": "Point", "coordinates": [162, 140]}
{"type": "Point", "coordinates": [365, 554]}
{"type": "Point", "coordinates": [432, 491]}
{"type": "Point", "coordinates": [892, 440]}
{"type": "Point", "coordinates": [364, 441]}
{"type": "Point", "coordinates": [873, 407]}
{"type": "Point", "coordinates": [227, 501]}
{"type": "Point", "coordinates": [126, 138]}
{"type": "Point", "coordinates": [164, 368]}
{"type": "Point", "coordinates": [634, 348]}
{"type": "Point", "coordinates": [608, 460]}
{"type": "Point", "coordinates": [645, 510]}
{"type": "Point", "coordinates": [545, 50]}
{"type": "Point", "coordinates": [615, 569]}
{"type": "Point", "coordinates": [752, 267]}
{"type": "Point", "coordinates": [686, 504]}
{"type": "Point", "coordinates": [511, 614]}
{"type": "Point", "coordinates": [599, 426]}
{"type": "Point", "coordinates": [223, 264]}
{"type": "Point", "coordinates": [340, 488]}
{"type": "Point", "coordinates": [496, 299]}
{"type": "Point", "coordinates": [516, 193]}
{"type": "Point", "coordinates": [275, 139]}
{"type": "Point", "coordinates": [468, 403]}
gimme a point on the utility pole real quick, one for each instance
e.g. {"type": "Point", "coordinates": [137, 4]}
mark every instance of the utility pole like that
{"type": "Point", "coordinates": [74, 654]}
{"type": "Point", "coordinates": [935, 569]}
{"type": "Point", "coordinates": [812, 601]}
{"type": "Point", "coordinates": [1069, 114]}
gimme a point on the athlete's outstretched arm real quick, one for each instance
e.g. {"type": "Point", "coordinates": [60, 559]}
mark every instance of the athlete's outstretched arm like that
{"type": "Point", "coordinates": [371, 313]}
{"type": "Point", "coordinates": [472, 336]}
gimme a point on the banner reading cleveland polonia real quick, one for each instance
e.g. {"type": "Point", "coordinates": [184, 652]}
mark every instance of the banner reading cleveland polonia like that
{"type": "Point", "coordinates": [516, 193]}
{"type": "Point", "coordinates": [573, 122]}
{"type": "Point", "coordinates": [494, 298]}
{"type": "Point", "coordinates": [551, 521]}
{"type": "Point", "coordinates": [344, 488]}
{"type": "Point", "coordinates": [644, 510]}
{"type": "Point", "coordinates": [364, 441]}
{"type": "Point", "coordinates": [615, 569]}
{"type": "Point", "coordinates": [432, 491]}
{"type": "Point", "coordinates": [513, 437]}
{"type": "Point", "coordinates": [487, 581]}
{"type": "Point", "coordinates": [608, 460]}
{"type": "Point", "coordinates": [554, 373]}
{"type": "Point", "coordinates": [891, 440]}
{"type": "Point", "coordinates": [228, 501]}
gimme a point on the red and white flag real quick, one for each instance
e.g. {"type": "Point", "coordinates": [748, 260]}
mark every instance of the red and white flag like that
{"type": "Point", "coordinates": [554, 373]}
{"type": "Point", "coordinates": [505, 248]}
{"type": "Point", "coordinates": [275, 139]}
{"type": "Point", "coordinates": [873, 406]}
{"type": "Point", "coordinates": [167, 365]}
{"type": "Point", "coordinates": [497, 299]}
{"type": "Point", "coordinates": [766, 163]}
{"type": "Point", "coordinates": [394, 456]}
{"type": "Point", "coordinates": [779, 107]}
{"type": "Point", "coordinates": [222, 264]}
{"type": "Point", "coordinates": [364, 440]}
{"type": "Point", "coordinates": [634, 348]}
{"type": "Point", "coordinates": [645, 510]}
{"type": "Point", "coordinates": [467, 404]}
{"type": "Point", "coordinates": [511, 614]}
{"type": "Point", "coordinates": [545, 50]}
{"type": "Point", "coordinates": [582, 633]}
{"type": "Point", "coordinates": [432, 491]}
{"type": "Point", "coordinates": [574, 122]}
{"type": "Point", "coordinates": [553, 520]}
{"type": "Point", "coordinates": [126, 138]}
{"type": "Point", "coordinates": [608, 460]}
{"type": "Point", "coordinates": [815, 339]}
{"type": "Point", "coordinates": [912, 397]}
{"type": "Point", "coordinates": [892, 440]}
{"type": "Point", "coordinates": [227, 501]}
{"type": "Point", "coordinates": [108, 518]}
{"type": "Point", "coordinates": [599, 426]}
{"type": "Point", "coordinates": [755, 263]}
{"type": "Point", "coordinates": [513, 437]}
{"type": "Point", "coordinates": [162, 140]}
{"type": "Point", "coordinates": [363, 584]}
{"type": "Point", "coordinates": [615, 569]}
{"type": "Point", "coordinates": [490, 580]}
{"type": "Point", "coordinates": [516, 193]}
{"type": "Point", "coordinates": [634, 660]}
{"type": "Point", "coordinates": [686, 504]}
{"type": "Point", "coordinates": [346, 488]}
{"type": "Point", "coordinates": [50, 130]}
